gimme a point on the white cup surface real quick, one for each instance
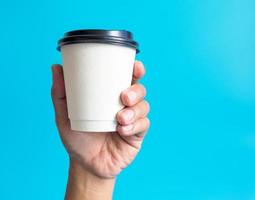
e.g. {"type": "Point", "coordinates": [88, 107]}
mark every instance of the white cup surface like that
{"type": "Point", "coordinates": [95, 75]}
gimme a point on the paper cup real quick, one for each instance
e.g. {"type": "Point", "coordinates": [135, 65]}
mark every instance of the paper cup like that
{"type": "Point", "coordinates": [98, 66]}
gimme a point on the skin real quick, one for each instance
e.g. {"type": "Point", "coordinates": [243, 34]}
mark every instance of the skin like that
{"type": "Point", "coordinates": [97, 158]}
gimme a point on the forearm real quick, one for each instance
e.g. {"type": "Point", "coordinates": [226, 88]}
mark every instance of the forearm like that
{"type": "Point", "coordinates": [82, 185]}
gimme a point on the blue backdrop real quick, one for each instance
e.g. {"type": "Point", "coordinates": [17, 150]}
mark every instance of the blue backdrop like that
{"type": "Point", "coordinates": [200, 80]}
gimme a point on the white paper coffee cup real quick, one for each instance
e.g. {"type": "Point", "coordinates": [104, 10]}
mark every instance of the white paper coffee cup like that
{"type": "Point", "coordinates": [98, 66]}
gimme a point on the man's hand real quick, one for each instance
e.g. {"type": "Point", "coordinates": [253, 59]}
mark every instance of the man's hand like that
{"type": "Point", "coordinates": [103, 155]}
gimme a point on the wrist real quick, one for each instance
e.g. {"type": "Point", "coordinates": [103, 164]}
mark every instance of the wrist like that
{"type": "Point", "coordinates": [84, 185]}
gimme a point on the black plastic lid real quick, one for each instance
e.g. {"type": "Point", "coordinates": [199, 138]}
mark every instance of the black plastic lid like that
{"type": "Point", "coordinates": [117, 37]}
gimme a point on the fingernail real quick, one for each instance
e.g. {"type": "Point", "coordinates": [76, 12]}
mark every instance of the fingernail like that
{"type": "Point", "coordinates": [55, 69]}
{"type": "Point", "coordinates": [127, 128]}
{"type": "Point", "coordinates": [128, 115]}
{"type": "Point", "coordinates": [131, 96]}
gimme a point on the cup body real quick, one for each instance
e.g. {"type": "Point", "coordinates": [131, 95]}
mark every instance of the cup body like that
{"type": "Point", "coordinates": [95, 74]}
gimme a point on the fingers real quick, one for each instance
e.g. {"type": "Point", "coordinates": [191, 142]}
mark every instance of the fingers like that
{"type": "Point", "coordinates": [58, 94]}
{"type": "Point", "coordinates": [138, 127]}
{"type": "Point", "coordinates": [138, 72]}
{"type": "Point", "coordinates": [130, 114]}
{"type": "Point", "coordinates": [132, 120]}
{"type": "Point", "coordinates": [58, 86]}
{"type": "Point", "coordinates": [134, 94]}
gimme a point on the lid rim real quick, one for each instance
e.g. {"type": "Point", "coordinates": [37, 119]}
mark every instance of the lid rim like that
{"type": "Point", "coordinates": [98, 41]}
{"type": "Point", "coordinates": [97, 31]}
{"type": "Point", "coordinates": [121, 37]}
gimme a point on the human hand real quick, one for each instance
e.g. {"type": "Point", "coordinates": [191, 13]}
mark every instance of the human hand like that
{"type": "Point", "coordinates": [105, 154]}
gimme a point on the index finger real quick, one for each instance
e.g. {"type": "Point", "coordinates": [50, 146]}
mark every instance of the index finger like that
{"type": "Point", "coordinates": [138, 71]}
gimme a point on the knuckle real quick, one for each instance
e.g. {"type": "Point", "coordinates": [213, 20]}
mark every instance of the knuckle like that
{"type": "Point", "coordinates": [142, 88]}
{"type": "Point", "coordinates": [52, 91]}
{"type": "Point", "coordinates": [120, 130]}
{"type": "Point", "coordinates": [139, 62]}
{"type": "Point", "coordinates": [147, 122]}
{"type": "Point", "coordinates": [143, 109]}
{"type": "Point", "coordinates": [147, 106]}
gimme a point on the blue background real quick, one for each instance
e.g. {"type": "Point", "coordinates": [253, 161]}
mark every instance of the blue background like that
{"type": "Point", "coordinates": [200, 80]}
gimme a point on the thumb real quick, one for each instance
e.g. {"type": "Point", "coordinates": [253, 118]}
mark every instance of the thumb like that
{"type": "Point", "coordinates": [58, 95]}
